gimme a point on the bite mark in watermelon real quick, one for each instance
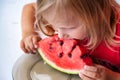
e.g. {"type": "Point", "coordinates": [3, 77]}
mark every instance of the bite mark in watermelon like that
{"type": "Point", "coordinates": [66, 55]}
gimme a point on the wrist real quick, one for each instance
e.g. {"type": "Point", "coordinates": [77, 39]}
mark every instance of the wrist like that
{"type": "Point", "coordinates": [28, 33]}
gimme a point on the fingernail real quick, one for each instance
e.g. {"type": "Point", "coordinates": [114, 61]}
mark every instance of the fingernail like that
{"type": "Point", "coordinates": [35, 46]}
{"type": "Point", "coordinates": [34, 51]}
{"type": "Point", "coordinates": [80, 74]}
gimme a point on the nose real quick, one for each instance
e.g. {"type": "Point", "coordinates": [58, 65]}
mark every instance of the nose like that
{"type": "Point", "coordinates": [63, 35]}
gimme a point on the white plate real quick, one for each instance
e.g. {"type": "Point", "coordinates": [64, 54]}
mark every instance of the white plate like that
{"type": "Point", "coordinates": [32, 67]}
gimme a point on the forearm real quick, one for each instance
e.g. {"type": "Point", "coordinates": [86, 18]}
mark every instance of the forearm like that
{"type": "Point", "coordinates": [28, 19]}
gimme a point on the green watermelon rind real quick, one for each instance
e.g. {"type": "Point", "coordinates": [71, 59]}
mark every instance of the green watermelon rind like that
{"type": "Point", "coordinates": [68, 71]}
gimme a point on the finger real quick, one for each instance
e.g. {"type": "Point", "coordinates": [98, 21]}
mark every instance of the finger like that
{"type": "Point", "coordinates": [28, 49]}
{"type": "Point", "coordinates": [90, 74]}
{"type": "Point", "coordinates": [91, 68]}
{"type": "Point", "coordinates": [33, 52]}
{"type": "Point", "coordinates": [31, 46]}
{"type": "Point", "coordinates": [35, 40]}
{"type": "Point", "coordinates": [27, 46]}
{"type": "Point", "coordinates": [22, 46]}
{"type": "Point", "coordinates": [83, 77]}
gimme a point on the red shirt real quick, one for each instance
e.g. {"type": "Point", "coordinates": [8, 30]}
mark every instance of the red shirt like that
{"type": "Point", "coordinates": [107, 57]}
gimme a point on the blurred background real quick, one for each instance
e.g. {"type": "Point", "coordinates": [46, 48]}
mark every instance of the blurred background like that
{"type": "Point", "coordinates": [10, 35]}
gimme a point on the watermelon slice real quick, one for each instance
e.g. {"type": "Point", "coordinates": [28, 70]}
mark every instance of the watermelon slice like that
{"type": "Point", "coordinates": [66, 55]}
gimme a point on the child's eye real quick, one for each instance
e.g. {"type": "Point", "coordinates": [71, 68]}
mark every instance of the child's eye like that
{"type": "Point", "coordinates": [71, 28]}
{"type": "Point", "coordinates": [46, 28]}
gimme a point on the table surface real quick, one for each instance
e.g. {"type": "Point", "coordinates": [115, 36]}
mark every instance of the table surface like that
{"type": "Point", "coordinates": [10, 35]}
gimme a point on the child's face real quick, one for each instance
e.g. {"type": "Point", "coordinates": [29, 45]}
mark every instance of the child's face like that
{"type": "Point", "coordinates": [69, 28]}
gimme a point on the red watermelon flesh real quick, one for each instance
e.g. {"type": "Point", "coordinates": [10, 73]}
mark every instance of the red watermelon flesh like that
{"type": "Point", "coordinates": [66, 55]}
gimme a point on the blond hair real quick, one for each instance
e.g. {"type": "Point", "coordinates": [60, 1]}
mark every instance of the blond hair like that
{"type": "Point", "coordinates": [99, 17]}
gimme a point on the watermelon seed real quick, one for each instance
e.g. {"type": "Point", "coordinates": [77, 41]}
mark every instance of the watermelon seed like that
{"type": "Point", "coordinates": [51, 47]}
{"type": "Point", "coordinates": [60, 55]}
{"type": "Point", "coordinates": [85, 55]}
{"type": "Point", "coordinates": [69, 55]}
{"type": "Point", "coordinates": [73, 47]}
{"type": "Point", "coordinates": [61, 43]}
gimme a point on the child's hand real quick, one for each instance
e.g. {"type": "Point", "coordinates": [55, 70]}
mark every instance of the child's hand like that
{"type": "Point", "coordinates": [98, 72]}
{"type": "Point", "coordinates": [28, 43]}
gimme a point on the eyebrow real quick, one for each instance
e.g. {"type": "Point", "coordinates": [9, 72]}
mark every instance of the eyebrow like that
{"type": "Point", "coordinates": [53, 26]}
